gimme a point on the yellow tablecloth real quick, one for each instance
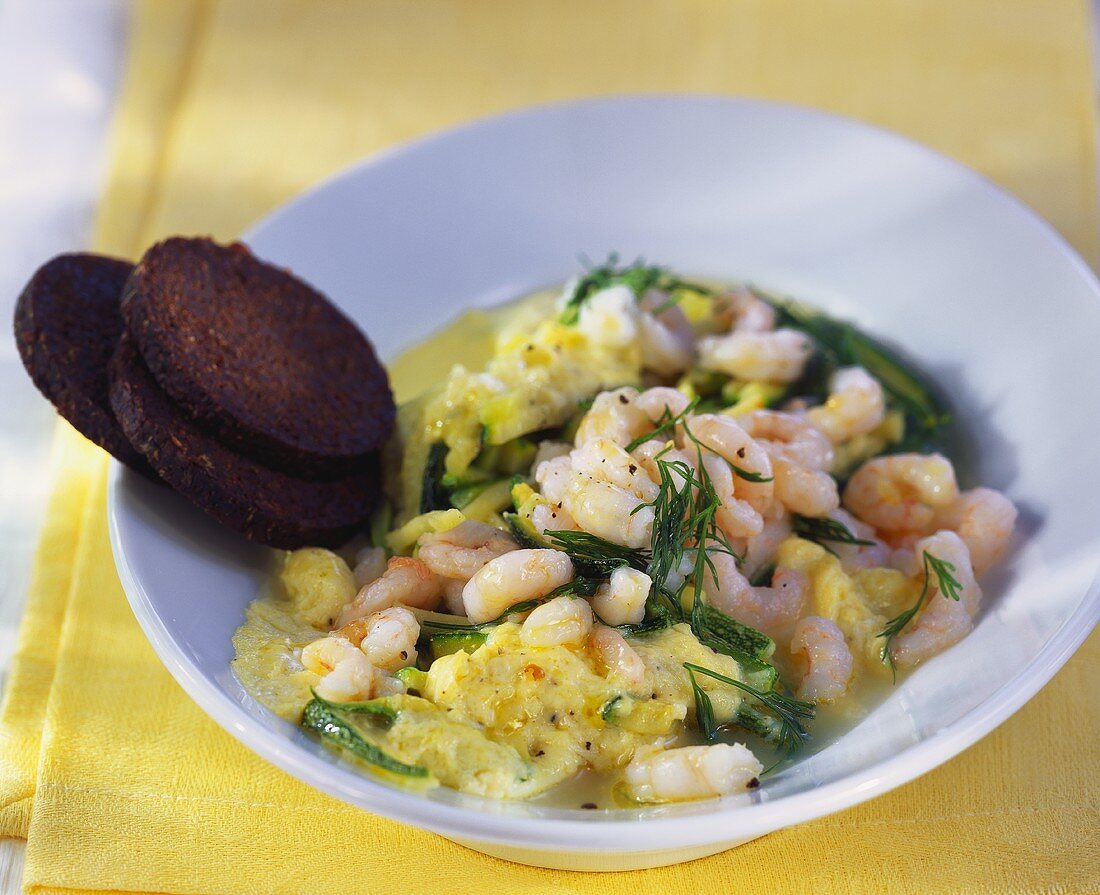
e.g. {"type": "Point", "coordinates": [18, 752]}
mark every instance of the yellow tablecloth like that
{"type": "Point", "coordinates": [229, 109]}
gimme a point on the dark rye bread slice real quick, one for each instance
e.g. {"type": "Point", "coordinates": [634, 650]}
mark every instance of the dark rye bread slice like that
{"type": "Point", "coordinates": [258, 357]}
{"type": "Point", "coordinates": [263, 504]}
{"type": "Point", "coordinates": [67, 324]}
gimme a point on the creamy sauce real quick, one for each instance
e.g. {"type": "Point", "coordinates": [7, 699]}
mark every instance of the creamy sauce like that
{"type": "Point", "coordinates": [467, 340]}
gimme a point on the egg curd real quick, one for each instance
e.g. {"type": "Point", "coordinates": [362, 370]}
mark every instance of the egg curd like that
{"type": "Point", "coordinates": [642, 538]}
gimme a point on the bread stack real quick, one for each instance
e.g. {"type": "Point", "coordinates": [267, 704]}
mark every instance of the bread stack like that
{"type": "Point", "coordinates": [228, 379]}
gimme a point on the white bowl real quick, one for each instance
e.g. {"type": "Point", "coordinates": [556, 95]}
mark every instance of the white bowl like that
{"type": "Point", "coordinates": [920, 250]}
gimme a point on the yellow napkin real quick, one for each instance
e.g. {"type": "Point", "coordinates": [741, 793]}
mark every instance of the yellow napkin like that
{"type": "Point", "coordinates": [229, 109]}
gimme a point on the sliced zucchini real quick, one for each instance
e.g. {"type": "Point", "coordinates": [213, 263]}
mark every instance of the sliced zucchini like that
{"type": "Point", "coordinates": [525, 532]}
{"type": "Point", "coordinates": [489, 501]}
{"type": "Point", "coordinates": [434, 495]}
{"type": "Point", "coordinates": [326, 719]}
{"type": "Point", "coordinates": [513, 414]}
{"type": "Point", "coordinates": [464, 495]}
{"type": "Point", "coordinates": [743, 397]}
{"type": "Point", "coordinates": [764, 726]}
{"type": "Point", "coordinates": [412, 678]}
{"type": "Point", "coordinates": [737, 635]}
{"type": "Point", "coordinates": [446, 643]}
{"type": "Point", "coordinates": [403, 539]}
{"type": "Point", "coordinates": [642, 716]}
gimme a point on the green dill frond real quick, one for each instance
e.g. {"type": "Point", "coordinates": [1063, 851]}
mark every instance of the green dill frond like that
{"type": "Point", "coordinates": [593, 556]}
{"type": "Point", "coordinates": [788, 711]}
{"type": "Point", "coordinates": [948, 585]}
{"type": "Point", "coordinates": [639, 277]}
{"type": "Point", "coordinates": [704, 708]}
{"type": "Point", "coordinates": [820, 531]}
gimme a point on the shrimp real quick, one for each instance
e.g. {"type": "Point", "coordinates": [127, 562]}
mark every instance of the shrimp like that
{"type": "Point", "coordinates": [856, 405]}
{"type": "Point", "coordinates": [605, 460]}
{"type": "Point", "coordinates": [461, 551]}
{"type": "Point", "coordinates": [808, 492]}
{"type": "Point", "coordinates": [615, 415]}
{"type": "Point", "coordinates": [901, 492]}
{"type": "Point", "coordinates": [691, 772]}
{"type": "Point", "coordinates": [760, 550]}
{"type": "Point", "coordinates": [661, 401]}
{"type": "Point", "coordinates": [819, 648]}
{"type": "Point", "coordinates": [607, 493]}
{"type": "Point", "coordinates": [552, 517]}
{"type": "Point", "coordinates": [680, 464]}
{"type": "Point", "coordinates": [553, 476]}
{"type": "Point", "coordinates": [564, 621]}
{"type": "Point", "coordinates": [749, 313]}
{"type": "Point", "coordinates": [799, 455]}
{"type": "Point", "coordinates": [406, 581]}
{"type": "Point", "coordinates": [776, 356]}
{"type": "Point", "coordinates": [772, 610]}
{"type": "Point", "coordinates": [736, 517]}
{"type": "Point", "coordinates": [347, 675]}
{"type": "Point", "coordinates": [621, 601]}
{"type": "Point", "coordinates": [788, 437]}
{"type": "Point", "coordinates": [619, 659]}
{"type": "Point", "coordinates": [859, 556]}
{"type": "Point", "coordinates": [942, 621]}
{"type": "Point", "coordinates": [515, 577]}
{"type": "Point", "coordinates": [666, 338]}
{"type": "Point", "coordinates": [370, 565]}
{"type": "Point", "coordinates": [389, 638]}
{"type": "Point", "coordinates": [984, 519]}
{"type": "Point", "coordinates": [724, 437]}
{"type": "Point", "coordinates": [610, 512]}
{"type": "Point", "coordinates": [452, 596]}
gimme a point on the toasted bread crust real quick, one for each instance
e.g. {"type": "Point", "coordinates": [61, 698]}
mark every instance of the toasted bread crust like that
{"type": "Point", "coordinates": [262, 504]}
{"type": "Point", "coordinates": [258, 357]}
{"type": "Point", "coordinates": [67, 324]}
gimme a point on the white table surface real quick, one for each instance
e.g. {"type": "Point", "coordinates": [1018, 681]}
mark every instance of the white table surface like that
{"type": "Point", "coordinates": [60, 68]}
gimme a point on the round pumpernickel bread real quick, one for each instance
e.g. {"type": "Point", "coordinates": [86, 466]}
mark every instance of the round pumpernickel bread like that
{"type": "Point", "coordinates": [67, 324]}
{"type": "Point", "coordinates": [258, 357]}
{"type": "Point", "coordinates": [263, 504]}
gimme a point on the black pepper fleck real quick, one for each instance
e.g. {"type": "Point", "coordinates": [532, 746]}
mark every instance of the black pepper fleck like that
{"type": "Point", "coordinates": [753, 783]}
{"type": "Point", "coordinates": [623, 399]}
{"type": "Point", "coordinates": [589, 805]}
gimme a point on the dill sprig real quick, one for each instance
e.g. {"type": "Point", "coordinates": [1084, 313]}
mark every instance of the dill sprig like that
{"type": "Point", "coordinates": [822, 530]}
{"type": "Point", "coordinates": [737, 470]}
{"type": "Point", "coordinates": [639, 277]}
{"type": "Point", "coordinates": [787, 710]}
{"type": "Point", "coordinates": [671, 511]}
{"type": "Point", "coordinates": [593, 556]}
{"type": "Point", "coordinates": [948, 585]}
{"type": "Point", "coordinates": [666, 426]}
{"type": "Point", "coordinates": [704, 708]}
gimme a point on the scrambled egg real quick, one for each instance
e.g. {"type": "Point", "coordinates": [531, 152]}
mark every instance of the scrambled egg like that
{"type": "Point", "coordinates": [539, 371]}
{"type": "Point", "coordinates": [859, 602]}
{"type": "Point", "coordinates": [508, 720]}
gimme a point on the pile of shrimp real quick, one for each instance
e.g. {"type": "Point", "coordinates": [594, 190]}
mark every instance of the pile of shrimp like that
{"type": "Point", "coordinates": [766, 466]}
